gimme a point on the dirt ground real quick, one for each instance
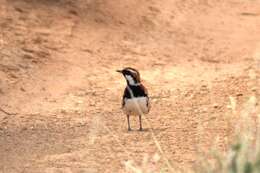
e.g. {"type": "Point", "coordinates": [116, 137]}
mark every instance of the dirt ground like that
{"type": "Point", "coordinates": [60, 96]}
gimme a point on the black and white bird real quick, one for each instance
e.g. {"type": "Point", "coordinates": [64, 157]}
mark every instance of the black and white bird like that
{"type": "Point", "coordinates": [135, 99]}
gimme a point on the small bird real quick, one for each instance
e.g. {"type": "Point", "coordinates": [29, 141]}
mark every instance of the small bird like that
{"type": "Point", "coordinates": [135, 99]}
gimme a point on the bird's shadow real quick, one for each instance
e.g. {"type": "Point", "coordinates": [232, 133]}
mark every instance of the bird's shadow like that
{"type": "Point", "coordinates": [147, 130]}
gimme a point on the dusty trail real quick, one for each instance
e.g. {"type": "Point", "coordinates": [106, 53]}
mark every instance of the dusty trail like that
{"type": "Point", "coordinates": [58, 80]}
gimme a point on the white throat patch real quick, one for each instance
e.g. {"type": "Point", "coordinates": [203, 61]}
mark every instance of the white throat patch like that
{"type": "Point", "coordinates": [130, 80]}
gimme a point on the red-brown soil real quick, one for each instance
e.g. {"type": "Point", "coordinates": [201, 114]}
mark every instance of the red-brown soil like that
{"type": "Point", "coordinates": [60, 96]}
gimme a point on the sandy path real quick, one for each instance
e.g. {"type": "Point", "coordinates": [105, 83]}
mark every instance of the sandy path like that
{"type": "Point", "coordinates": [58, 80]}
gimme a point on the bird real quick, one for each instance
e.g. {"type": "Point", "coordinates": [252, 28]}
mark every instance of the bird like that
{"type": "Point", "coordinates": [135, 100]}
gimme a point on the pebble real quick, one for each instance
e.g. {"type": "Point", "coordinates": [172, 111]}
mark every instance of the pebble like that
{"type": "Point", "coordinates": [215, 105]}
{"type": "Point", "coordinates": [239, 94]}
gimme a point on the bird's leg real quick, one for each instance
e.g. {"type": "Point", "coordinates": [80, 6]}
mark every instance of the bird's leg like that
{"type": "Point", "coordinates": [128, 122]}
{"type": "Point", "coordinates": [140, 121]}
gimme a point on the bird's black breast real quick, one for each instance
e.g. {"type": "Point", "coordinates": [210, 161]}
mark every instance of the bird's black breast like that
{"type": "Point", "coordinates": [136, 91]}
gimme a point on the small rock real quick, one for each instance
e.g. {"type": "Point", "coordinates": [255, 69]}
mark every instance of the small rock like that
{"type": "Point", "coordinates": [28, 56]}
{"type": "Point", "coordinates": [254, 89]}
{"type": "Point", "coordinates": [79, 101]}
{"type": "Point", "coordinates": [92, 104]}
{"type": "Point", "coordinates": [73, 12]}
{"type": "Point", "coordinates": [19, 9]}
{"type": "Point", "coordinates": [239, 94]}
{"type": "Point", "coordinates": [77, 111]}
{"type": "Point", "coordinates": [204, 110]}
{"type": "Point", "coordinates": [22, 89]}
{"type": "Point", "coordinates": [63, 111]}
{"type": "Point", "coordinates": [215, 105]}
{"type": "Point", "coordinates": [28, 50]}
{"type": "Point", "coordinates": [13, 75]}
{"type": "Point", "coordinates": [204, 86]}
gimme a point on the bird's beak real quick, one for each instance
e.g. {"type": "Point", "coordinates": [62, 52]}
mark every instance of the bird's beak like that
{"type": "Point", "coordinates": [119, 71]}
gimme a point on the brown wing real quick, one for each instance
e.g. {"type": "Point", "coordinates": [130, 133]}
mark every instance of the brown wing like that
{"type": "Point", "coordinates": [144, 89]}
{"type": "Point", "coordinates": [146, 92]}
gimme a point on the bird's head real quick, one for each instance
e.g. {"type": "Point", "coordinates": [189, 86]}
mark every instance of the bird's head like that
{"type": "Point", "coordinates": [131, 75]}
